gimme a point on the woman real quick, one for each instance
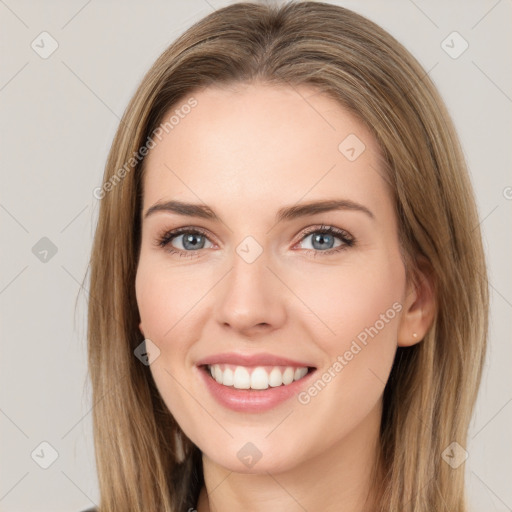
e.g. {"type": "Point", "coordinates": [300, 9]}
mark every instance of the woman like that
{"type": "Point", "coordinates": [235, 363]}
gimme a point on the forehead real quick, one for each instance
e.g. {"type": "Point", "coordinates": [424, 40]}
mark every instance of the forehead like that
{"type": "Point", "coordinates": [253, 144]}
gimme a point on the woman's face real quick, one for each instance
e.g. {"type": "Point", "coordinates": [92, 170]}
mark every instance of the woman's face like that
{"type": "Point", "coordinates": [261, 279]}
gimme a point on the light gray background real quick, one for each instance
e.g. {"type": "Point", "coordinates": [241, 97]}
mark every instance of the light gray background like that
{"type": "Point", "coordinates": [58, 118]}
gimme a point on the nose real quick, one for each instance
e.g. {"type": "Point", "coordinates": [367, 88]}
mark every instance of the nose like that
{"type": "Point", "coordinates": [252, 298]}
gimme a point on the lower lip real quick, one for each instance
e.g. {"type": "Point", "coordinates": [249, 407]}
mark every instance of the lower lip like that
{"type": "Point", "coordinates": [252, 400]}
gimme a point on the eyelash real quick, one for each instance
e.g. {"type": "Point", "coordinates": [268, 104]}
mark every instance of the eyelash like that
{"type": "Point", "coordinates": [167, 236]}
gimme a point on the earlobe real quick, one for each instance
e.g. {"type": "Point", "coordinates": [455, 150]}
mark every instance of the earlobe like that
{"type": "Point", "coordinates": [419, 308]}
{"type": "Point", "coordinates": [140, 329]}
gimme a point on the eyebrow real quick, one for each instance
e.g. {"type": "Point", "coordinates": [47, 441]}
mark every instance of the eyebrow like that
{"type": "Point", "coordinates": [285, 213]}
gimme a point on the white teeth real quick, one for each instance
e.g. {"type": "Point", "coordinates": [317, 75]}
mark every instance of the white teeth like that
{"type": "Point", "coordinates": [228, 377]}
{"type": "Point", "coordinates": [299, 373]}
{"type": "Point", "coordinates": [259, 378]}
{"type": "Point", "coordinates": [275, 378]}
{"type": "Point", "coordinates": [288, 376]}
{"type": "Point", "coordinates": [241, 378]}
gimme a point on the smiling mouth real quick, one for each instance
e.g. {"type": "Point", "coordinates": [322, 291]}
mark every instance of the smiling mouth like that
{"type": "Point", "coordinates": [255, 377]}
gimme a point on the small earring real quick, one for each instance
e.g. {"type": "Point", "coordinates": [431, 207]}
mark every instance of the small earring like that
{"type": "Point", "coordinates": [414, 335]}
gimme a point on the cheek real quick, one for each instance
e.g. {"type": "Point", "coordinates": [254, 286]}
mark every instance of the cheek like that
{"type": "Point", "coordinates": [171, 302]}
{"type": "Point", "coordinates": [361, 306]}
{"type": "Point", "coordinates": [349, 300]}
{"type": "Point", "coordinates": [166, 298]}
{"type": "Point", "coordinates": [357, 312]}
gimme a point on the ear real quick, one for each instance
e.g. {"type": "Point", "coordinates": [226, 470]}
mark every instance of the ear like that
{"type": "Point", "coordinates": [419, 305]}
{"type": "Point", "coordinates": [140, 329]}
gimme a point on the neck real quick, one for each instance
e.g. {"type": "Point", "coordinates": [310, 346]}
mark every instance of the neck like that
{"type": "Point", "coordinates": [339, 480]}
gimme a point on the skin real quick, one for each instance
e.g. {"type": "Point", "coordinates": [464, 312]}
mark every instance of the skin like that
{"type": "Point", "coordinates": [246, 151]}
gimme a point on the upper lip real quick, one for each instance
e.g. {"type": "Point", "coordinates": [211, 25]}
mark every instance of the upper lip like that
{"type": "Point", "coordinates": [261, 359]}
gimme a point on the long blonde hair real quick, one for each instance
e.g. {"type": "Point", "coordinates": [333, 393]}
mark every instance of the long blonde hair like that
{"type": "Point", "coordinates": [430, 395]}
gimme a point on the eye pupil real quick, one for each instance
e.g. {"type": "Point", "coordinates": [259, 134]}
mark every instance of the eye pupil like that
{"type": "Point", "coordinates": [320, 238]}
{"type": "Point", "coordinates": [188, 239]}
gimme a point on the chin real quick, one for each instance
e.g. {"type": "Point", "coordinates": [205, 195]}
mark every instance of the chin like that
{"type": "Point", "coordinates": [248, 457]}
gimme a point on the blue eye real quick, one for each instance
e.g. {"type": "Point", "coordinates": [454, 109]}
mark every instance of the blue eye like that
{"type": "Point", "coordinates": [190, 237]}
{"type": "Point", "coordinates": [327, 235]}
{"type": "Point", "coordinates": [193, 239]}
